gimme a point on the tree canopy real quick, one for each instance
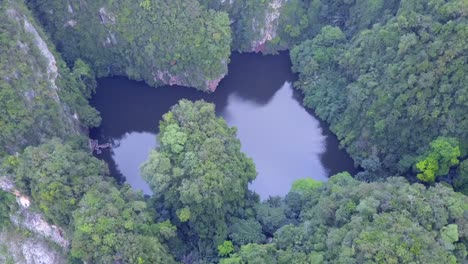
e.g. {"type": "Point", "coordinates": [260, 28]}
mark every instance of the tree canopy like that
{"type": "Point", "coordinates": [393, 88]}
{"type": "Point", "coordinates": [199, 172]}
{"type": "Point", "coordinates": [158, 41]}
{"type": "Point", "coordinates": [348, 221]}
{"type": "Point", "coordinates": [56, 175]}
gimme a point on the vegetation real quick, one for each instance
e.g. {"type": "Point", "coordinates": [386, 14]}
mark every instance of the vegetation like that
{"type": "Point", "coordinates": [199, 173]}
{"type": "Point", "coordinates": [34, 103]}
{"type": "Point", "coordinates": [443, 154]}
{"type": "Point", "coordinates": [55, 175]}
{"type": "Point", "coordinates": [347, 221]}
{"type": "Point", "coordinates": [388, 76]}
{"type": "Point", "coordinates": [7, 205]}
{"type": "Point", "coordinates": [247, 17]}
{"type": "Point", "coordinates": [113, 225]}
{"type": "Point", "coordinates": [158, 41]}
{"type": "Point", "coordinates": [392, 89]}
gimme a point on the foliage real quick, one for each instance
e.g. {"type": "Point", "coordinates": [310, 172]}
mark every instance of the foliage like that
{"type": "Point", "coordinates": [305, 185]}
{"type": "Point", "coordinates": [382, 222]}
{"type": "Point", "coordinates": [443, 154]}
{"type": "Point", "coordinates": [198, 171]}
{"type": "Point", "coordinates": [302, 20]}
{"type": "Point", "coordinates": [56, 175]}
{"type": "Point", "coordinates": [248, 20]}
{"type": "Point", "coordinates": [461, 182]}
{"type": "Point", "coordinates": [225, 248]}
{"type": "Point", "coordinates": [158, 41]}
{"type": "Point", "coordinates": [393, 88]}
{"type": "Point", "coordinates": [34, 103]}
{"type": "Point", "coordinates": [7, 205]}
{"type": "Point", "coordinates": [245, 231]}
{"type": "Point", "coordinates": [270, 217]}
{"type": "Point", "coordinates": [113, 225]}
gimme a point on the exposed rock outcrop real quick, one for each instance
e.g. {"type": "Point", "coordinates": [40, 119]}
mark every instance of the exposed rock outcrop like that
{"type": "Point", "coordinates": [41, 94]}
{"type": "Point", "coordinates": [21, 249]}
{"type": "Point", "coordinates": [268, 27]}
{"type": "Point", "coordinates": [32, 221]}
{"type": "Point", "coordinates": [179, 42]}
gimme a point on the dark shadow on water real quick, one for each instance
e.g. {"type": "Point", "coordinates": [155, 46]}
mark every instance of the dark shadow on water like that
{"type": "Point", "coordinates": [335, 158]}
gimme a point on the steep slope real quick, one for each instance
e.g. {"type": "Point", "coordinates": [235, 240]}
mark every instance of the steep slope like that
{"type": "Point", "coordinates": [254, 23]}
{"type": "Point", "coordinates": [159, 41]}
{"type": "Point", "coordinates": [39, 96]}
{"type": "Point", "coordinates": [394, 88]}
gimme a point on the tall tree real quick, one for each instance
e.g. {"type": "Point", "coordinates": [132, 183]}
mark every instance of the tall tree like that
{"type": "Point", "coordinates": [199, 172]}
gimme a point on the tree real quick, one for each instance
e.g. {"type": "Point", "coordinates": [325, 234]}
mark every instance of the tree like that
{"type": "Point", "coordinates": [7, 205]}
{"type": "Point", "coordinates": [461, 182]}
{"type": "Point", "coordinates": [305, 185]}
{"type": "Point", "coordinates": [199, 172]}
{"type": "Point", "coordinates": [392, 87]}
{"type": "Point", "coordinates": [442, 155]}
{"type": "Point", "coordinates": [112, 225]}
{"type": "Point", "coordinates": [56, 175]}
{"type": "Point", "coordinates": [225, 248]}
{"type": "Point", "coordinates": [348, 221]}
{"type": "Point", "coordinates": [124, 37]}
{"type": "Point", "coordinates": [243, 232]}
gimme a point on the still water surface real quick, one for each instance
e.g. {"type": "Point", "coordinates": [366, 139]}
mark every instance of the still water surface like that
{"type": "Point", "coordinates": [286, 141]}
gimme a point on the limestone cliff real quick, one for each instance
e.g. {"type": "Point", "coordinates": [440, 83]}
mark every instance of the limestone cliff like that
{"type": "Point", "coordinates": [35, 247]}
{"type": "Point", "coordinates": [254, 23]}
{"type": "Point", "coordinates": [174, 42]}
{"type": "Point", "coordinates": [39, 96]}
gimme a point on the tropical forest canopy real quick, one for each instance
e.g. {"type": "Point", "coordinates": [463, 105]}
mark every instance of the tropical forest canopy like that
{"type": "Point", "coordinates": [390, 77]}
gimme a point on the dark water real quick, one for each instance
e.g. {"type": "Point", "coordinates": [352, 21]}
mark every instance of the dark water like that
{"type": "Point", "coordinates": [286, 141]}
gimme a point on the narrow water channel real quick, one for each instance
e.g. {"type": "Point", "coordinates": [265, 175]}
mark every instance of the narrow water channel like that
{"type": "Point", "coordinates": [286, 141]}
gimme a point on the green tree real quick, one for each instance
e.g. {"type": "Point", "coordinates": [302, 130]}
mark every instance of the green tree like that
{"type": "Point", "coordinates": [112, 225]}
{"type": "Point", "coordinates": [158, 41]}
{"type": "Point", "coordinates": [348, 221]}
{"type": "Point", "coordinates": [442, 155]}
{"type": "Point", "coordinates": [225, 249]}
{"type": "Point", "coordinates": [461, 182]}
{"type": "Point", "coordinates": [199, 172]}
{"type": "Point", "coordinates": [393, 86]}
{"type": "Point", "coordinates": [305, 185]}
{"type": "Point", "coordinates": [243, 232]}
{"type": "Point", "coordinates": [56, 175]}
{"type": "Point", "coordinates": [7, 205]}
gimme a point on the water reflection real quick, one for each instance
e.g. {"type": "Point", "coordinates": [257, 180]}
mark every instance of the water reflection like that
{"type": "Point", "coordinates": [132, 150]}
{"type": "Point", "coordinates": [282, 138]}
{"type": "Point", "coordinates": [285, 140]}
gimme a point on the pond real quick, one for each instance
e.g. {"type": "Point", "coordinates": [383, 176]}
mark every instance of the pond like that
{"type": "Point", "coordinates": [285, 140]}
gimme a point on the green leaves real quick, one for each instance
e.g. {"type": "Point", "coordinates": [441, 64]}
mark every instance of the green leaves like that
{"type": "Point", "coordinates": [392, 87]}
{"type": "Point", "coordinates": [198, 172]}
{"type": "Point", "coordinates": [305, 185]}
{"type": "Point", "coordinates": [393, 222]}
{"type": "Point", "coordinates": [56, 175]}
{"type": "Point", "coordinates": [225, 248]}
{"type": "Point", "coordinates": [159, 41]}
{"type": "Point", "coordinates": [173, 138]}
{"type": "Point", "coordinates": [112, 225]}
{"type": "Point", "coordinates": [442, 155]}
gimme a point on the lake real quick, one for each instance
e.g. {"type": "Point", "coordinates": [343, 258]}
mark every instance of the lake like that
{"type": "Point", "coordinates": [285, 140]}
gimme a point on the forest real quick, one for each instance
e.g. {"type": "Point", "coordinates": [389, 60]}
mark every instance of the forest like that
{"type": "Point", "coordinates": [389, 77]}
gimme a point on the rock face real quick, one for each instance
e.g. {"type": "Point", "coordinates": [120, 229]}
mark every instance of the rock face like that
{"type": "Point", "coordinates": [253, 23]}
{"type": "Point", "coordinates": [40, 97]}
{"type": "Point", "coordinates": [177, 42]}
{"type": "Point", "coordinates": [268, 27]}
{"type": "Point", "coordinates": [21, 249]}
{"type": "Point", "coordinates": [32, 221]}
{"type": "Point", "coordinates": [33, 249]}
